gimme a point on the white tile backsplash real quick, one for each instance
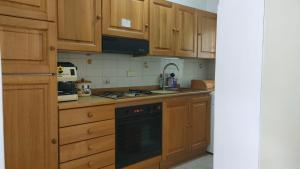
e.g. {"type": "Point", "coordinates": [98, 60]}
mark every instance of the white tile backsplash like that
{"type": "Point", "coordinates": [111, 70]}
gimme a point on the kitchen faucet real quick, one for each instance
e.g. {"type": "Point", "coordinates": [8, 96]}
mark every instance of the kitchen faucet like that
{"type": "Point", "coordinates": [164, 76]}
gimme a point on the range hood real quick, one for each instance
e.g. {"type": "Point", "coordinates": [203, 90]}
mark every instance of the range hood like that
{"type": "Point", "coordinates": [135, 47]}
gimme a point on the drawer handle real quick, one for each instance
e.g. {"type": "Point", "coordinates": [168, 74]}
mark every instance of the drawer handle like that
{"type": "Point", "coordinates": [90, 115]}
{"type": "Point", "coordinates": [90, 147]}
{"type": "Point", "coordinates": [90, 131]}
{"type": "Point", "coordinates": [90, 164]}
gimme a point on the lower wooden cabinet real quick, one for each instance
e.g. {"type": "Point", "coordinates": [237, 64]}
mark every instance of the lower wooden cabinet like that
{"type": "Point", "coordinates": [30, 122]}
{"type": "Point", "coordinates": [186, 128]}
{"type": "Point", "coordinates": [87, 137]}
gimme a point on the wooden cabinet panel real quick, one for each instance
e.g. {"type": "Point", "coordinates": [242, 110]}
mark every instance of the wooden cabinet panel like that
{"type": "Point", "coordinates": [102, 160]}
{"type": "Point", "coordinates": [28, 46]}
{"type": "Point", "coordinates": [34, 9]}
{"type": "Point", "coordinates": [77, 150]}
{"type": "Point", "coordinates": [79, 25]}
{"type": "Point", "coordinates": [30, 122]}
{"type": "Point", "coordinates": [86, 115]}
{"type": "Point", "coordinates": [87, 131]}
{"type": "Point", "coordinates": [126, 18]}
{"type": "Point", "coordinates": [175, 128]}
{"type": "Point", "coordinates": [162, 27]}
{"type": "Point", "coordinates": [200, 123]}
{"type": "Point", "coordinates": [186, 31]}
{"type": "Point", "coordinates": [207, 27]}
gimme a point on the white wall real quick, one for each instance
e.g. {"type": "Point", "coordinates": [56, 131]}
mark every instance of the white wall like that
{"type": "Point", "coordinates": [238, 82]}
{"type": "Point", "coordinates": [1, 116]}
{"type": "Point", "coordinates": [280, 122]}
{"type": "Point", "coordinates": [208, 5]}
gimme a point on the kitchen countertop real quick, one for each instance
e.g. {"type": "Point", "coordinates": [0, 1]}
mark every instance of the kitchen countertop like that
{"type": "Point", "coordinates": [98, 101]}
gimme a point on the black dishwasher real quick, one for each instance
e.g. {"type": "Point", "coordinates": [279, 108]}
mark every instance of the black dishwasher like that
{"type": "Point", "coordinates": [138, 133]}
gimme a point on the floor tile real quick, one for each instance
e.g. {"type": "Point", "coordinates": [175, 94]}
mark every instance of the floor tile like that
{"type": "Point", "coordinates": [205, 162]}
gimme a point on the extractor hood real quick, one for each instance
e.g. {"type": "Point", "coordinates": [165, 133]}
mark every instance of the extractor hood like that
{"type": "Point", "coordinates": [135, 47]}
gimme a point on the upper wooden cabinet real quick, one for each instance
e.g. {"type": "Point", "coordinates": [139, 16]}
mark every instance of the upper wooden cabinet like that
{"type": "Point", "coordinates": [28, 46]}
{"type": "Point", "coordinates": [126, 18]}
{"type": "Point", "coordinates": [173, 29]}
{"type": "Point", "coordinates": [30, 122]}
{"type": "Point", "coordinates": [34, 9]}
{"type": "Point", "coordinates": [162, 27]}
{"type": "Point", "coordinates": [186, 31]}
{"type": "Point", "coordinates": [79, 25]}
{"type": "Point", "coordinates": [207, 27]}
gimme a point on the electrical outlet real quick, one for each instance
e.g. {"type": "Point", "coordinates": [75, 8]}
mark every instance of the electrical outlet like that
{"type": "Point", "coordinates": [131, 73]}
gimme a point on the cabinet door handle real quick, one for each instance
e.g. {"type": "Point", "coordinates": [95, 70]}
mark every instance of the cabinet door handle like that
{"type": "Point", "coordinates": [99, 17]}
{"type": "Point", "coordinates": [146, 26]}
{"type": "Point", "coordinates": [174, 29]}
{"type": "Point", "coordinates": [52, 48]}
{"type": "Point", "coordinates": [54, 141]}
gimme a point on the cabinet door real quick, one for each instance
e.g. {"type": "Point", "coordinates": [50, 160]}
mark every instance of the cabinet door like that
{"type": "Point", "coordinates": [162, 27]}
{"type": "Point", "coordinates": [175, 126]}
{"type": "Point", "coordinates": [207, 27]}
{"type": "Point", "coordinates": [28, 46]}
{"type": "Point", "coordinates": [186, 31]}
{"type": "Point", "coordinates": [126, 18]}
{"type": "Point", "coordinates": [79, 25]}
{"type": "Point", "coordinates": [34, 9]}
{"type": "Point", "coordinates": [30, 122]}
{"type": "Point", "coordinates": [200, 123]}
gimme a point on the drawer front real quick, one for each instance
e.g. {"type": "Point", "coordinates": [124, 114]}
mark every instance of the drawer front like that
{"type": "Point", "coordinates": [92, 162]}
{"type": "Point", "coordinates": [77, 150]}
{"type": "Point", "coordinates": [86, 131]}
{"type": "Point", "coordinates": [86, 115]}
{"type": "Point", "coordinates": [28, 46]}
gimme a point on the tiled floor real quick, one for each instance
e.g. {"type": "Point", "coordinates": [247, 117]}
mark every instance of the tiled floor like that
{"type": "Point", "coordinates": [205, 162]}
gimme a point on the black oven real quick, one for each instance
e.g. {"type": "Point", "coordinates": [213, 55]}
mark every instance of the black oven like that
{"type": "Point", "coordinates": [138, 133]}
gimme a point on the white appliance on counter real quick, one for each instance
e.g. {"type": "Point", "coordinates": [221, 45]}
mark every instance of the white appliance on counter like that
{"type": "Point", "coordinates": [210, 148]}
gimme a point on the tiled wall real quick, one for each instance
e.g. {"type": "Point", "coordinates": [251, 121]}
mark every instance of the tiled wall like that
{"type": "Point", "coordinates": [111, 70]}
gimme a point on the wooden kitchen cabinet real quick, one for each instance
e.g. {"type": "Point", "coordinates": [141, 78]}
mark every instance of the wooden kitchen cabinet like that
{"type": "Point", "coordinates": [186, 128]}
{"type": "Point", "coordinates": [200, 124]}
{"type": "Point", "coordinates": [33, 9]}
{"type": "Point", "coordinates": [79, 25]}
{"type": "Point", "coordinates": [126, 18]}
{"type": "Point", "coordinates": [173, 29]}
{"type": "Point", "coordinates": [207, 29]}
{"type": "Point", "coordinates": [186, 31]}
{"type": "Point", "coordinates": [28, 46]}
{"type": "Point", "coordinates": [175, 128]}
{"type": "Point", "coordinates": [30, 122]}
{"type": "Point", "coordinates": [162, 27]}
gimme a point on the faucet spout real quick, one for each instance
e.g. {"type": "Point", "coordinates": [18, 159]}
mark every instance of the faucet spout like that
{"type": "Point", "coordinates": [164, 70]}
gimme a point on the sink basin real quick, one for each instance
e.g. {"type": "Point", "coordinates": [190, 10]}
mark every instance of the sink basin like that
{"type": "Point", "coordinates": [164, 91]}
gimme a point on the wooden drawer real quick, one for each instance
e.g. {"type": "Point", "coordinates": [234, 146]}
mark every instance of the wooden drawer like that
{"type": "Point", "coordinates": [28, 46]}
{"type": "Point", "coordinates": [77, 150]}
{"type": "Point", "coordinates": [92, 162]}
{"type": "Point", "coordinates": [86, 115]}
{"type": "Point", "coordinates": [86, 131]}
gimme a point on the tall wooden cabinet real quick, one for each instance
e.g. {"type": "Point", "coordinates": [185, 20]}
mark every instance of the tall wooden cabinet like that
{"type": "Point", "coordinates": [186, 128]}
{"type": "Point", "coordinates": [33, 9]}
{"type": "Point", "coordinates": [126, 18]}
{"type": "Point", "coordinates": [28, 53]}
{"type": "Point", "coordinates": [30, 122]}
{"type": "Point", "coordinates": [28, 46]}
{"type": "Point", "coordinates": [79, 25]}
{"type": "Point", "coordinates": [173, 29]}
{"type": "Point", "coordinates": [207, 28]}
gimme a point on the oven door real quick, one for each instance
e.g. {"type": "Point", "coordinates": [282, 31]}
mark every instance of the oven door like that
{"type": "Point", "coordinates": [139, 137]}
